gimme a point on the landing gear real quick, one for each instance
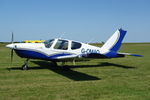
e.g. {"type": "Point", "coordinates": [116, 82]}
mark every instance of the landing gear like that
{"type": "Point", "coordinates": [74, 62]}
{"type": "Point", "coordinates": [25, 66]}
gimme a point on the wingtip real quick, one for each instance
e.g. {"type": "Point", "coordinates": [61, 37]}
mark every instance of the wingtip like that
{"type": "Point", "coordinates": [137, 55]}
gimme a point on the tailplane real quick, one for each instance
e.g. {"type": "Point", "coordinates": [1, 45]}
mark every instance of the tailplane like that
{"type": "Point", "coordinates": [115, 41]}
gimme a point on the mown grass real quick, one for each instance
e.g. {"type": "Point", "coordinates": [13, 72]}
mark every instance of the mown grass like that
{"type": "Point", "coordinates": [101, 79]}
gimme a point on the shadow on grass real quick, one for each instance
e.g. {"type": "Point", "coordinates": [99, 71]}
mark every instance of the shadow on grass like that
{"type": "Point", "coordinates": [67, 70]}
{"type": "Point", "coordinates": [104, 64]}
{"type": "Point", "coordinates": [64, 71]}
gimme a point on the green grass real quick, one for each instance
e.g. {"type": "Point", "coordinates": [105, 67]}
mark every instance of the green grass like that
{"type": "Point", "coordinates": [101, 79]}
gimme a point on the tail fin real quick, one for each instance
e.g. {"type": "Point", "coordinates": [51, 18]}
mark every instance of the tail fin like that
{"type": "Point", "coordinates": [115, 41]}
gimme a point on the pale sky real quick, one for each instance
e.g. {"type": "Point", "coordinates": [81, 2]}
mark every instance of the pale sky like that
{"type": "Point", "coordinates": [81, 20]}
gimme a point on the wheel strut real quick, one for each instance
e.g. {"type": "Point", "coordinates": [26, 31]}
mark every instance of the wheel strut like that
{"type": "Point", "coordinates": [25, 66]}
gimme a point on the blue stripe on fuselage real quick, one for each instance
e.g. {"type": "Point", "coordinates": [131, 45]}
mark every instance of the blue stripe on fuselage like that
{"type": "Point", "coordinates": [38, 55]}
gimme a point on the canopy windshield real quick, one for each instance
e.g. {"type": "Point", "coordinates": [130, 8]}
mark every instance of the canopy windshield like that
{"type": "Point", "coordinates": [48, 43]}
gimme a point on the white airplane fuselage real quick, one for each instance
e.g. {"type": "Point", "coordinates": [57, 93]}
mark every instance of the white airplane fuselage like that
{"type": "Point", "coordinates": [64, 50]}
{"type": "Point", "coordinates": [40, 51]}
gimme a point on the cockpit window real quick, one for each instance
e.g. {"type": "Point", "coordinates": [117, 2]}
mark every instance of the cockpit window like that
{"type": "Point", "coordinates": [75, 45]}
{"type": "Point", "coordinates": [48, 43]}
{"type": "Point", "coordinates": [61, 44]}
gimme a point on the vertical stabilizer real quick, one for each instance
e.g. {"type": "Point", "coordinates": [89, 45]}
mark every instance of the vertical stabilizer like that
{"type": "Point", "coordinates": [115, 41]}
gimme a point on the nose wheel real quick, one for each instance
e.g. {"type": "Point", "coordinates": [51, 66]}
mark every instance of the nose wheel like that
{"type": "Point", "coordinates": [25, 66]}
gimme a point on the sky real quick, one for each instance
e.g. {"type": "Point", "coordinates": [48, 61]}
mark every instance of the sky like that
{"type": "Point", "coordinates": [81, 20]}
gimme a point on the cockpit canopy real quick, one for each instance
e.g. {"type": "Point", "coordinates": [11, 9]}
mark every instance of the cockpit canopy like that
{"type": "Point", "coordinates": [75, 45]}
{"type": "Point", "coordinates": [62, 44]}
{"type": "Point", "coordinates": [48, 43]}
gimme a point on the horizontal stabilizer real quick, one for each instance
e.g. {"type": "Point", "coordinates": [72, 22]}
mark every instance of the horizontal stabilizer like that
{"type": "Point", "coordinates": [129, 54]}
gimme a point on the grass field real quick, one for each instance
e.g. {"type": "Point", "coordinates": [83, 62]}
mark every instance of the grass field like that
{"type": "Point", "coordinates": [103, 79]}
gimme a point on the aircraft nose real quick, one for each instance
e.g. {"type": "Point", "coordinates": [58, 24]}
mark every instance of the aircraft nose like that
{"type": "Point", "coordinates": [11, 46]}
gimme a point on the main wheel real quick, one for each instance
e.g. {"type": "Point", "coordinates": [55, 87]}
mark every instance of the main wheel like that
{"type": "Point", "coordinates": [25, 67]}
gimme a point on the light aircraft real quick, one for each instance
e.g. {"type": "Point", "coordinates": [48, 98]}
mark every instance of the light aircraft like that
{"type": "Point", "coordinates": [63, 49]}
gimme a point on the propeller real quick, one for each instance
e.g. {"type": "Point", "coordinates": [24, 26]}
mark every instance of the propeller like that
{"type": "Point", "coordinates": [12, 38]}
{"type": "Point", "coordinates": [12, 50]}
{"type": "Point", "coordinates": [12, 53]}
